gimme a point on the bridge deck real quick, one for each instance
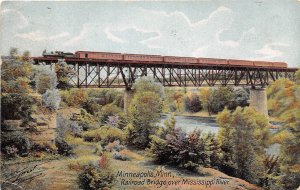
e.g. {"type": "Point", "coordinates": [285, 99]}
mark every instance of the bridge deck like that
{"type": "Point", "coordinates": [119, 73]}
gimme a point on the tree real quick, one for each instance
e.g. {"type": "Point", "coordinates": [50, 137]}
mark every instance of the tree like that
{"type": "Point", "coordinates": [243, 136]}
{"type": "Point", "coordinates": [207, 99]}
{"type": "Point", "coordinates": [45, 79]}
{"type": "Point", "coordinates": [290, 114]}
{"type": "Point", "coordinates": [192, 103]}
{"type": "Point", "coordinates": [16, 73]}
{"type": "Point", "coordinates": [222, 96]}
{"type": "Point", "coordinates": [178, 96]}
{"type": "Point", "coordinates": [144, 111]}
{"type": "Point", "coordinates": [64, 73]}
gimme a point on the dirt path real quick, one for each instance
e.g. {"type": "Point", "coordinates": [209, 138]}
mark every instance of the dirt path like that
{"type": "Point", "coordinates": [59, 175]}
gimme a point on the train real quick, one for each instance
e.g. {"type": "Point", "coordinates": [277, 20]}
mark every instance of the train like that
{"type": "Point", "coordinates": [109, 56]}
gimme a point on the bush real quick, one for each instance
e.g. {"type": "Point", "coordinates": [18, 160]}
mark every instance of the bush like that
{"type": "Point", "coordinates": [52, 99]}
{"type": "Point", "coordinates": [119, 156]}
{"type": "Point", "coordinates": [66, 126]}
{"type": "Point", "coordinates": [84, 119]}
{"type": "Point", "coordinates": [109, 110]}
{"type": "Point", "coordinates": [192, 103]}
{"type": "Point", "coordinates": [104, 134]}
{"type": "Point", "coordinates": [63, 148]}
{"type": "Point", "coordinates": [74, 97]}
{"type": "Point", "coordinates": [45, 79]}
{"type": "Point", "coordinates": [92, 178]}
{"type": "Point", "coordinates": [13, 143]}
{"type": "Point", "coordinates": [16, 106]}
{"type": "Point", "coordinates": [91, 106]}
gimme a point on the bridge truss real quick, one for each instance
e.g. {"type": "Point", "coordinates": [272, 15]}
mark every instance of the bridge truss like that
{"type": "Point", "coordinates": [111, 74]}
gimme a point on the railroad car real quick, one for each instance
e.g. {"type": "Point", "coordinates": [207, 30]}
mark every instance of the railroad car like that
{"type": "Point", "coordinates": [142, 57]}
{"type": "Point", "coordinates": [99, 55]}
{"type": "Point", "coordinates": [211, 61]}
{"type": "Point", "coordinates": [240, 62]}
{"type": "Point", "coordinates": [172, 59]}
{"type": "Point", "coordinates": [279, 65]}
{"type": "Point", "coordinates": [262, 64]}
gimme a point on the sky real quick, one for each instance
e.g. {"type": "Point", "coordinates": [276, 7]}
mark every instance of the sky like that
{"type": "Point", "coordinates": [250, 29]}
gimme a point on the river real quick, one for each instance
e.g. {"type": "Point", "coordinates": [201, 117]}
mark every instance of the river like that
{"type": "Point", "coordinates": [207, 124]}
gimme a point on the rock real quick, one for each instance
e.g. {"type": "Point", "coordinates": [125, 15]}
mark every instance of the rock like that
{"type": "Point", "coordinates": [11, 125]}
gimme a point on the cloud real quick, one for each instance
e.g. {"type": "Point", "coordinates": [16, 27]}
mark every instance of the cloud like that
{"type": "Point", "coordinates": [38, 36]}
{"type": "Point", "coordinates": [268, 51]}
{"type": "Point", "coordinates": [83, 34]}
{"type": "Point", "coordinates": [112, 37]}
{"type": "Point", "coordinates": [13, 16]}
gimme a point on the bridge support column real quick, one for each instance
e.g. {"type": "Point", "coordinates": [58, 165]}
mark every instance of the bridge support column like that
{"type": "Point", "coordinates": [128, 95]}
{"type": "Point", "coordinates": [258, 100]}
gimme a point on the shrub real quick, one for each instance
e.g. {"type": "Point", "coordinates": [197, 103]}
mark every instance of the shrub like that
{"type": "Point", "coordinates": [16, 106]}
{"type": "Point", "coordinates": [45, 79]}
{"type": "Point", "coordinates": [109, 110]}
{"type": "Point", "coordinates": [51, 99]}
{"type": "Point", "coordinates": [105, 134]}
{"type": "Point", "coordinates": [66, 126]}
{"type": "Point", "coordinates": [84, 119]}
{"type": "Point", "coordinates": [13, 143]}
{"type": "Point", "coordinates": [63, 148]}
{"type": "Point", "coordinates": [92, 178]}
{"type": "Point", "coordinates": [119, 156]}
{"type": "Point", "coordinates": [91, 106]}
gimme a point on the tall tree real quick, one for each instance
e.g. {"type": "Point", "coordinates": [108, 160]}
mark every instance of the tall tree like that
{"type": "Point", "coordinates": [64, 72]}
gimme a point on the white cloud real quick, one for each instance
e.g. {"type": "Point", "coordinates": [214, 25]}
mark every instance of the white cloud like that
{"type": "Point", "coordinates": [83, 34]}
{"type": "Point", "coordinates": [112, 37]}
{"type": "Point", "coordinates": [268, 51]}
{"type": "Point", "coordinates": [14, 16]}
{"type": "Point", "coordinates": [37, 36]}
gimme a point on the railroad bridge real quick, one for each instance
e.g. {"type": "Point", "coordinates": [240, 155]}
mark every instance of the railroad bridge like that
{"type": "Point", "coordinates": [118, 72]}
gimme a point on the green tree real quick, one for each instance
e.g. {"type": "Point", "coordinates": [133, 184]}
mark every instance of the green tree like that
{"type": "Point", "coordinates": [64, 73]}
{"type": "Point", "coordinates": [45, 79]}
{"type": "Point", "coordinates": [243, 136]}
{"type": "Point", "coordinates": [206, 97]}
{"type": "Point", "coordinates": [144, 111]}
{"type": "Point", "coordinates": [16, 73]}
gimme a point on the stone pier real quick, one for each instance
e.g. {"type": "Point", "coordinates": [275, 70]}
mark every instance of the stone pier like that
{"type": "Point", "coordinates": [258, 100]}
{"type": "Point", "coordinates": [128, 95]}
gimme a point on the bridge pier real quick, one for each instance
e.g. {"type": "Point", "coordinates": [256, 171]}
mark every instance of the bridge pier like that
{"type": "Point", "coordinates": [258, 100]}
{"type": "Point", "coordinates": [128, 95]}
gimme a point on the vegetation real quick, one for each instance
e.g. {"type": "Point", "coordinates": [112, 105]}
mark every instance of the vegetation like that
{"type": "Point", "coordinates": [94, 178]}
{"type": "Point", "coordinates": [284, 103]}
{"type": "Point", "coordinates": [144, 111]}
{"type": "Point", "coordinates": [243, 136]}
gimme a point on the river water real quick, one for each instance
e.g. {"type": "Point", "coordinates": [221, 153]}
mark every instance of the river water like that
{"type": "Point", "coordinates": [207, 124]}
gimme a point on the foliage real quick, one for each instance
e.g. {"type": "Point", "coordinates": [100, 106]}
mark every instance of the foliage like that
{"type": "Point", "coordinates": [64, 72]}
{"type": "Point", "coordinates": [107, 96]}
{"type": "Point", "coordinates": [74, 97]}
{"type": "Point", "coordinates": [144, 111]}
{"type": "Point", "coordinates": [16, 73]}
{"type": "Point", "coordinates": [243, 136]}
{"type": "Point", "coordinates": [119, 156]}
{"type": "Point", "coordinates": [84, 119]}
{"type": "Point", "coordinates": [172, 146]}
{"type": "Point", "coordinates": [63, 147]}
{"type": "Point", "coordinates": [51, 99]}
{"type": "Point", "coordinates": [45, 79]}
{"type": "Point", "coordinates": [93, 178]}
{"type": "Point", "coordinates": [104, 134]}
{"type": "Point", "coordinates": [109, 110]}
{"type": "Point", "coordinates": [284, 102]}
{"type": "Point", "coordinates": [192, 103]}
{"type": "Point", "coordinates": [16, 106]}
{"type": "Point", "coordinates": [206, 97]}
{"type": "Point", "coordinates": [15, 143]}
{"type": "Point", "coordinates": [145, 84]}
{"type": "Point", "coordinates": [66, 126]}
{"type": "Point", "coordinates": [178, 98]}
{"type": "Point", "coordinates": [91, 106]}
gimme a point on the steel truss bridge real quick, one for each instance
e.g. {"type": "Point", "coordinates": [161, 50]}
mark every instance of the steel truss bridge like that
{"type": "Point", "coordinates": [122, 74]}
